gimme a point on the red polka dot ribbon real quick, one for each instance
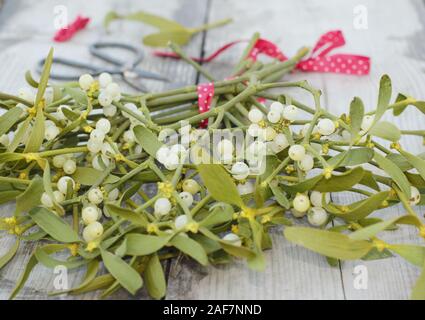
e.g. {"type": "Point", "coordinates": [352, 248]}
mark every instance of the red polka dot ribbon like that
{"type": "Point", "coordinates": [69, 31]}
{"type": "Point", "coordinates": [205, 95]}
{"type": "Point", "coordinates": [319, 61]}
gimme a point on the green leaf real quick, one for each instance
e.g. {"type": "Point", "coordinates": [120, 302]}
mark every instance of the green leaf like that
{"type": "Point", "coordinates": [142, 244]}
{"type": "Point", "coordinates": [122, 272]}
{"type": "Point", "coordinates": [394, 172]}
{"type": "Point", "coordinates": [279, 196]}
{"type": "Point", "coordinates": [370, 231]}
{"type": "Point", "coordinates": [220, 184]}
{"type": "Point", "coordinates": [303, 186]}
{"type": "Point", "coordinates": [258, 262]}
{"type": "Point", "coordinates": [191, 248]}
{"type": "Point", "coordinates": [6, 196]}
{"type": "Point", "coordinates": [32, 262]}
{"type": "Point", "coordinates": [237, 251]}
{"type": "Point", "coordinates": [154, 278]}
{"type": "Point", "coordinates": [147, 140]}
{"type": "Point", "coordinates": [44, 78]}
{"type": "Point", "coordinates": [340, 182]}
{"type": "Point", "coordinates": [43, 256]}
{"type": "Point", "coordinates": [155, 21]}
{"type": "Point", "coordinates": [386, 130]}
{"type": "Point", "coordinates": [127, 214]}
{"type": "Point", "coordinates": [78, 95]}
{"type": "Point", "coordinates": [365, 208]}
{"type": "Point", "coordinates": [161, 39]}
{"type": "Point", "coordinates": [356, 116]}
{"type": "Point", "coordinates": [328, 243]}
{"type": "Point", "coordinates": [369, 181]}
{"type": "Point", "coordinates": [384, 97]}
{"type": "Point", "coordinates": [5, 259]}
{"type": "Point", "coordinates": [397, 110]}
{"type": "Point", "coordinates": [10, 157]}
{"type": "Point", "coordinates": [9, 118]}
{"type": "Point", "coordinates": [352, 157]}
{"type": "Point", "coordinates": [56, 227]}
{"type": "Point", "coordinates": [400, 161]}
{"type": "Point", "coordinates": [89, 176]}
{"type": "Point", "coordinates": [37, 133]}
{"type": "Point", "coordinates": [31, 197]}
{"type": "Point", "coordinates": [416, 162]}
{"type": "Point", "coordinates": [219, 213]}
{"type": "Point", "coordinates": [418, 292]}
{"type": "Point", "coordinates": [19, 134]}
{"type": "Point", "coordinates": [414, 254]}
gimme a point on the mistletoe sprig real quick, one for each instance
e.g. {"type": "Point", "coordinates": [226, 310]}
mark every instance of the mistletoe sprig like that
{"type": "Point", "coordinates": [128, 181]}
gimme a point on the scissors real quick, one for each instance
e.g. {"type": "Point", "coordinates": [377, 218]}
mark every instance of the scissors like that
{"type": "Point", "coordinates": [128, 70]}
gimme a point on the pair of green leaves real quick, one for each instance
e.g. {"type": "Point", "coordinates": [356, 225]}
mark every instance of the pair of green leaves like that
{"type": "Point", "coordinates": [168, 30]}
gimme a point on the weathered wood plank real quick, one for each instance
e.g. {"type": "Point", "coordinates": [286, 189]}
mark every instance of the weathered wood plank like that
{"type": "Point", "coordinates": [23, 42]}
{"type": "Point", "coordinates": [292, 272]}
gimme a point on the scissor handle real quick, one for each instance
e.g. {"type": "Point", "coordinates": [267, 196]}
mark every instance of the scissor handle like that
{"type": "Point", "coordinates": [70, 63]}
{"type": "Point", "coordinates": [96, 50]}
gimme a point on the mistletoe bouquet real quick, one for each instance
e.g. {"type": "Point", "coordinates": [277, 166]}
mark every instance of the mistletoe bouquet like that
{"type": "Point", "coordinates": [116, 183]}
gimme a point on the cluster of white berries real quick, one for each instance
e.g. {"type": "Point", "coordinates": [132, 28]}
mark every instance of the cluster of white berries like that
{"type": "Point", "coordinates": [172, 156]}
{"type": "Point", "coordinates": [162, 206]}
{"type": "Point", "coordinates": [312, 206]}
{"type": "Point", "coordinates": [109, 91]}
{"type": "Point", "coordinates": [59, 195]}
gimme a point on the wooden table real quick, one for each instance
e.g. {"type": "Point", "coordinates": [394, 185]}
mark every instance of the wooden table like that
{"type": "Point", "coordinates": [395, 39]}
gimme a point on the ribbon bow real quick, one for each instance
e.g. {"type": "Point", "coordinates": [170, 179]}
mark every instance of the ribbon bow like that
{"type": "Point", "coordinates": [68, 32]}
{"type": "Point", "coordinates": [320, 60]}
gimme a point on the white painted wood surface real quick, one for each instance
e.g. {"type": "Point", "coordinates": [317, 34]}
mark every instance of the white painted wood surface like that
{"type": "Point", "coordinates": [397, 47]}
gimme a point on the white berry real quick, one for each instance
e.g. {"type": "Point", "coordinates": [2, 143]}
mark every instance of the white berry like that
{"type": "Point", "coordinates": [316, 198]}
{"type": "Point", "coordinates": [94, 146]}
{"type": "Point", "coordinates": [273, 116]}
{"type": "Point", "coordinates": [162, 206]}
{"type": "Point", "coordinates": [296, 152]}
{"type": "Point", "coordinates": [233, 239]}
{"type": "Point", "coordinates": [317, 216]}
{"type": "Point", "coordinates": [97, 135]}
{"type": "Point", "coordinates": [59, 160]}
{"type": "Point", "coordinates": [93, 231]}
{"type": "Point", "coordinates": [326, 127]}
{"type": "Point", "coordinates": [113, 89]}
{"type": "Point", "coordinates": [99, 162]}
{"type": "Point", "coordinates": [301, 202]}
{"type": "Point", "coordinates": [290, 113]}
{"type": "Point", "coordinates": [105, 99]}
{"type": "Point", "coordinates": [162, 154]}
{"type": "Point", "coordinates": [307, 163]}
{"type": "Point", "coordinates": [255, 115]}
{"type": "Point", "coordinates": [51, 132]}
{"type": "Point", "coordinates": [254, 130]}
{"type": "Point", "coordinates": [95, 196]}
{"type": "Point", "coordinates": [46, 200]}
{"type": "Point", "coordinates": [90, 214]}
{"type": "Point", "coordinates": [63, 184]}
{"type": "Point", "coordinates": [224, 147]}
{"type": "Point", "coordinates": [104, 125]}
{"type": "Point", "coordinates": [277, 107]}
{"type": "Point", "coordinates": [191, 186]}
{"type": "Point", "coordinates": [172, 161]}
{"type": "Point", "coordinates": [69, 166]}
{"type": "Point", "coordinates": [129, 136]}
{"type": "Point", "coordinates": [110, 110]}
{"type": "Point", "coordinates": [240, 170]}
{"type": "Point", "coordinates": [85, 81]}
{"type": "Point", "coordinates": [187, 198]}
{"type": "Point", "coordinates": [105, 79]}
{"type": "Point", "coordinates": [281, 140]}
{"type": "Point", "coordinates": [181, 222]}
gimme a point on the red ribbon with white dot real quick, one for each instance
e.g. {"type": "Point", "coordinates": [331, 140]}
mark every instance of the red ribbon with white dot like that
{"type": "Point", "coordinates": [205, 95]}
{"type": "Point", "coordinates": [69, 31]}
{"type": "Point", "coordinates": [319, 61]}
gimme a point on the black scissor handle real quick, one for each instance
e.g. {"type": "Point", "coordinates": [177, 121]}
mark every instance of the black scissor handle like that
{"type": "Point", "coordinates": [96, 50]}
{"type": "Point", "coordinates": [69, 63]}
